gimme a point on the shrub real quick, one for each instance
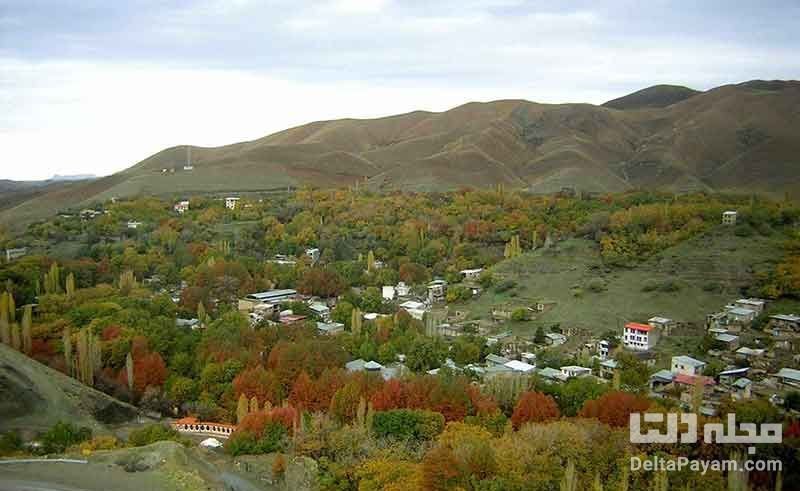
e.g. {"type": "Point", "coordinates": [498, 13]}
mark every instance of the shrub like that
{"type": "Point", "coordinates": [151, 434]}
{"type": "Point", "coordinates": [486, 279]}
{"type": "Point", "coordinates": [271, 439]}
{"type": "Point", "coordinates": [505, 286]}
{"type": "Point", "coordinates": [596, 285]}
{"type": "Point", "coordinates": [712, 287]}
{"type": "Point", "coordinates": [103, 442]}
{"type": "Point", "coordinates": [63, 435]}
{"type": "Point", "coordinates": [669, 285]}
{"type": "Point", "coordinates": [650, 285]}
{"type": "Point", "coordinates": [520, 315]}
{"type": "Point", "coordinates": [10, 443]}
{"type": "Point", "coordinates": [408, 423]}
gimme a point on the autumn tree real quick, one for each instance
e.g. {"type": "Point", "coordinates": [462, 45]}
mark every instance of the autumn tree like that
{"type": "Point", "coordinates": [302, 394]}
{"type": "Point", "coordinates": [129, 371]}
{"type": "Point", "coordinates": [27, 320]}
{"type": "Point", "coordinates": [614, 408]}
{"type": "Point", "coordinates": [534, 407]}
{"type": "Point", "coordinates": [242, 409]}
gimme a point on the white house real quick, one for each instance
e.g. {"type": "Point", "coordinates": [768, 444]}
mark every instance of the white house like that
{"type": "Point", "coordinates": [639, 337]}
{"type": "Point", "coordinates": [132, 224]}
{"type": "Point", "coordinates": [321, 310]}
{"type": "Point", "coordinates": [575, 371]}
{"type": "Point", "coordinates": [402, 289]}
{"type": "Point", "coordinates": [313, 254]}
{"type": "Point", "coordinates": [437, 290]}
{"type": "Point", "coordinates": [471, 274]}
{"type": "Point", "coordinates": [388, 292]}
{"type": "Point", "coordinates": [756, 304]}
{"type": "Point", "coordinates": [663, 324]}
{"type": "Point", "coordinates": [687, 365]}
{"type": "Point", "coordinates": [729, 217]}
{"type": "Point", "coordinates": [555, 338]}
{"type": "Point", "coordinates": [740, 314]}
{"type": "Point", "coordinates": [520, 366]}
{"type": "Point", "coordinates": [330, 328]}
{"type": "Point", "coordinates": [230, 202]}
{"type": "Point", "coordinates": [182, 206]}
{"type": "Point", "coordinates": [602, 349]}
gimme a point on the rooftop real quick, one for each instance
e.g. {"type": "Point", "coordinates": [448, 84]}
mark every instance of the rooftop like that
{"type": "Point", "coordinates": [681, 378]}
{"type": "Point", "coordinates": [636, 326]}
{"type": "Point", "coordinates": [786, 317]}
{"type": "Point", "coordinates": [789, 373]}
{"type": "Point", "coordinates": [519, 366]}
{"type": "Point", "coordinates": [688, 360]}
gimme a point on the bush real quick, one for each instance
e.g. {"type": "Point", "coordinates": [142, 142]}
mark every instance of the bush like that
{"type": "Point", "coordinates": [486, 279]}
{"type": "Point", "coordinates": [505, 286]}
{"type": "Point", "coordinates": [712, 287]}
{"type": "Point", "coordinates": [10, 443]}
{"type": "Point", "coordinates": [596, 285]}
{"type": "Point", "coordinates": [650, 285]}
{"type": "Point", "coordinates": [104, 442]}
{"type": "Point", "coordinates": [151, 434]}
{"type": "Point", "coordinates": [520, 315]}
{"type": "Point", "coordinates": [669, 285]}
{"type": "Point", "coordinates": [63, 435]}
{"type": "Point", "coordinates": [408, 423]}
{"type": "Point", "coordinates": [272, 439]}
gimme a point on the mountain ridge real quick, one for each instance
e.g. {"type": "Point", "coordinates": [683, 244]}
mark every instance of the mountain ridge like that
{"type": "Point", "coordinates": [736, 137]}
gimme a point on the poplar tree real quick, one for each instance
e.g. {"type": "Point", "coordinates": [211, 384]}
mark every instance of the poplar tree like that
{"type": "Point", "coordinates": [16, 340]}
{"type": "Point", "coordinates": [253, 405]}
{"type": "Point", "coordinates": [67, 341]}
{"type": "Point", "coordinates": [241, 409]}
{"type": "Point", "coordinates": [27, 321]}
{"type": "Point", "coordinates": [129, 370]}
{"type": "Point", "coordinates": [5, 327]}
{"type": "Point", "coordinates": [355, 321]}
{"type": "Point", "coordinates": [70, 285]}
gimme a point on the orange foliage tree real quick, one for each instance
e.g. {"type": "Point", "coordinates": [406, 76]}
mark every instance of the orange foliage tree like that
{"type": "Point", "coordinates": [534, 407]}
{"type": "Point", "coordinates": [614, 408]}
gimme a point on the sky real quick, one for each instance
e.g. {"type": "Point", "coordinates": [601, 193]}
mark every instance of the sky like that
{"type": "Point", "coordinates": [95, 86]}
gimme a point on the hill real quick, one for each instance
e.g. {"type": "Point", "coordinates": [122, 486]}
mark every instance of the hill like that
{"type": "Point", "coordinates": [33, 396]}
{"type": "Point", "coordinates": [685, 282]}
{"type": "Point", "coordinates": [733, 138]}
{"type": "Point", "coordinates": [655, 96]}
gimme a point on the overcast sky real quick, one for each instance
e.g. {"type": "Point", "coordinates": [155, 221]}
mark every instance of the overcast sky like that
{"type": "Point", "coordinates": [95, 86]}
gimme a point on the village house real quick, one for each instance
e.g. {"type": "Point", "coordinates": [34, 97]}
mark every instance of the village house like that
{"type": "Point", "coordinates": [287, 317]}
{"type": "Point", "coordinates": [437, 291]}
{"type": "Point", "coordinates": [687, 365]}
{"type": "Point", "coordinates": [495, 360]}
{"type": "Point", "coordinates": [545, 305]}
{"type": "Point", "coordinates": [270, 297]}
{"type": "Point", "coordinates": [388, 292]}
{"type": "Point", "coordinates": [555, 338]}
{"type": "Point", "coordinates": [415, 309]}
{"type": "Point", "coordinates": [313, 254]}
{"type": "Point", "coordinates": [402, 290]}
{"type": "Point", "coordinates": [388, 372]}
{"type": "Point", "coordinates": [740, 315]}
{"type": "Point", "coordinates": [15, 253]}
{"type": "Point", "coordinates": [321, 310]}
{"type": "Point", "coordinates": [231, 202]}
{"type": "Point", "coordinates": [471, 274]}
{"type": "Point", "coordinates": [686, 385]}
{"type": "Point", "coordinates": [190, 323]}
{"type": "Point", "coordinates": [552, 374]}
{"type": "Point", "coordinates": [755, 304]}
{"type": "Point", "coordinates": [520, 366]}
{"type": "Point", "coordinates": [132, 224]}
{"type": "Point", "coordinates": [662, 324]}
{"type": "Point", "coordinates": [788, 378]}
{"type": "Point", "coordinates": [603, 349]}
{"type": "Point", "coordinates": [330, 328]}
{"type": "Point", "coordinates": [728, 341]}
{"type": "Point", "coordinates": [750, 354]}
{"type": "Point", "coordinates": [573, 371]}
{"type": "Point", "coordinates": [181, 207]}
{"type": "Point", "coordinates": [785, 322]}
{"type": "Point", "coordinates": [741, 388]}
{"type": "Point", "coordinates": [729, 217]}
{"type": "Point", "coordinates": [607, 368]}
{"type": "Point", "coordinates": [639, 337]}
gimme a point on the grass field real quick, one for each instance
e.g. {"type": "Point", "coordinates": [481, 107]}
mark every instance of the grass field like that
{"type": "Point", "coordinates": [709, 271]}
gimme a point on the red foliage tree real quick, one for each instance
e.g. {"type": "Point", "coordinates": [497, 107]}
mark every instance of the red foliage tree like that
{"type": "Point", "coordinates": [321, 282]}
{"type": "Point", "coordinates": [302, 395]}
{"type": "Point", "coordinates": [614, 408]}
{"type": "Point", "coordinates": [149, 370]}
{"type": "Point", "coordinates": [439, 469]}
{"type": "Point", "coordinates": [482, 404]}
{"type": "Point", "coordinates": [534, 407]}
{"type": "Point", "coordinates": [259, 383]}
{"type": "Point", "coordinates": [390, 396]}
{"type": "Point", "coordinates": [111, 332]}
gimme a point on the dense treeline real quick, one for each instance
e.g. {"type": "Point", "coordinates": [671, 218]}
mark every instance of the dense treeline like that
{"type": "Point", "coordinates": [104, 314]}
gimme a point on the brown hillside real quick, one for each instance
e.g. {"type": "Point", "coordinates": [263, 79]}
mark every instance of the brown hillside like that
{"type": "Point", "coordinates": [735, 137]}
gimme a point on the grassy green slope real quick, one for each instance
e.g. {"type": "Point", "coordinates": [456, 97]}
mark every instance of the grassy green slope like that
{"type": "Point", "coordinates": [718, 258]}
